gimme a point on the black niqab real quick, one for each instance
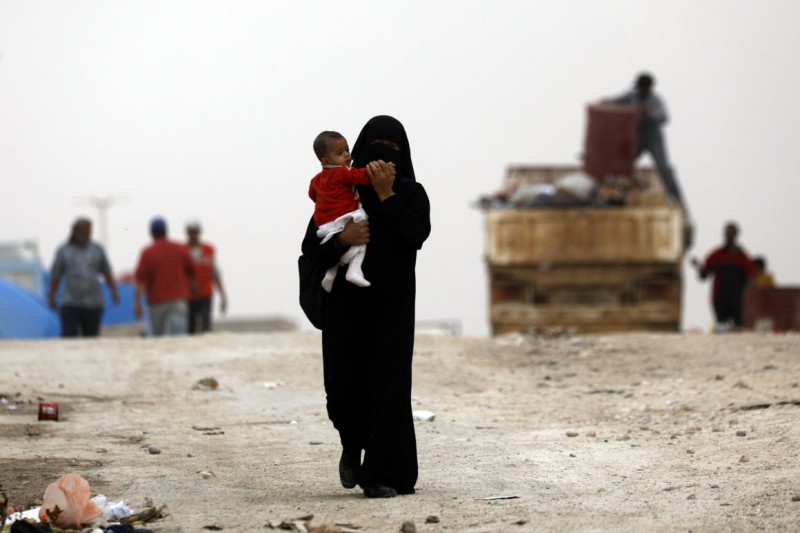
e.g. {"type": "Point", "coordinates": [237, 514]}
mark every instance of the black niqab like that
{"type": "Point", "coordinates": [384, 128]}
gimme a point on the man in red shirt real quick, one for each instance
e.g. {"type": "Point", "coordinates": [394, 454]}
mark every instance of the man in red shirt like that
{"type": "Point", "coordinates": [208, 279]}
{"type": "Point", "coordinates": [732, 269]}
{"type": "Point", "coordinates": [166, 275]}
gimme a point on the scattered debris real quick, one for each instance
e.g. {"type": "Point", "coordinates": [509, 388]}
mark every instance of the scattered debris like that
{"type": "Point", "coordinates": [146, 515]}
{"type": "Point", "coordinates": [270, 385]}
{"type": "Point", "coordinates": [307, 524]}
{"type": "Point", "coordinates": [67, 502]}
{"type": "Point", "coordinates": [423, 416]}
{"type": "Point", "coordinates": [753, 406]}
{"type": "Point", "coordinates": [432, 519]}
{"type": "Point", "coordinates": [490, 498]}
{"type": "Point", "coordinates": [206, 384]}
{"type": "Point", "coordinates": [48, 411]}
{"type": "Point", "coordinates": [209, 430]}
{"type": "Point", "coordinates": [112, 512]}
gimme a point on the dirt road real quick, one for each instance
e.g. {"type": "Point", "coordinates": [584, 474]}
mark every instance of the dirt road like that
{"type": "Point", "coordinates": [603, 433]}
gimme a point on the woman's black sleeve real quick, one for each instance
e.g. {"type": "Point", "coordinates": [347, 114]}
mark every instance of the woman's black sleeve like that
{"type": "Point", "coordinates": [408, 216]}
{"type": "Point", "coordinates": [324, 255]}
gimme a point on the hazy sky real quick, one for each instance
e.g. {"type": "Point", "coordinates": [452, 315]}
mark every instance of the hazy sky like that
{"type": "Point", "coordinates": [208, 109]}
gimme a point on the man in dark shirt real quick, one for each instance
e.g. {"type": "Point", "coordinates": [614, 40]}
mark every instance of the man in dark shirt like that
{"type": "Point", "coordinates": [652, 118]}
{"type": "Point", "coordinates": [732, 268]}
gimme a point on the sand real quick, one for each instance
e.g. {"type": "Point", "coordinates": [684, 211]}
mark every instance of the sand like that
{"type": "Point", "coordinates": [633, 432]}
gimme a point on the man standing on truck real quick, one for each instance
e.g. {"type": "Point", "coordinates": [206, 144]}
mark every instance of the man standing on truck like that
{"type": "Point", "coordinates": [732, 269]}
{"type": "Point", "coordinates": [652, 116]}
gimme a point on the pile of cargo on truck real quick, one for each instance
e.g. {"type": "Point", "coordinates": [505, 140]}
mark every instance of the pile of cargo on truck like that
{"type": "Point", "coordinates": [597, 247]}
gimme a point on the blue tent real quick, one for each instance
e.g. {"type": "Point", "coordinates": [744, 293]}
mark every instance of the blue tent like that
{"type": "Point", "coordinates": [122, 313]}
{"type": "Point", "coordinates": [25, 315]}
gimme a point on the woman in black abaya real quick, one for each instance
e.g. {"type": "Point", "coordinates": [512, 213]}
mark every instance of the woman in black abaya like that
{"type": "Point", "coordinates": [368, 332]}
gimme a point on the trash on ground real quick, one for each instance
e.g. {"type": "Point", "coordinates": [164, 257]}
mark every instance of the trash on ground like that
{"type": "Point", "coordinates": [489, 498]}
{"type": "Point", "coordinates": [423, 416]}
{"type": "Point", "coordinates": [67, 502]}
{"type": "Point", "coordinates": [206, 384]}
{"type": "Point", "coordinates": [146, 515]}
{"type": "Point", "coordinates": [112, 512]}
{"type": "Point", "coordinates": [273, 384]}
{"type": "Point", "coordinates": [48, 411]}
{"type": "Point", "coordinates": [307, 524]}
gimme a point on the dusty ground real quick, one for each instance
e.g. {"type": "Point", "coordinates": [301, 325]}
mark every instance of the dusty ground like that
{"type": "Point", "coordinates": [604, 433]}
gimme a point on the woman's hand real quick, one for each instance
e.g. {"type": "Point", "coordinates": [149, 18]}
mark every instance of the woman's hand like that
{"type": "Point", "coordinates": [354, 234]}
{"type": "Point", "coordinates": [382, 176]}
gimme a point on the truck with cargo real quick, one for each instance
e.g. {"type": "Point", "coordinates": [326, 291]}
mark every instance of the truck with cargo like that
{"type": "Point", "coordinates": [597, 269]}
{"type": "Point", "coordinates": [593, 268]}
{"type": "Point", "coordinates": [611, 261]}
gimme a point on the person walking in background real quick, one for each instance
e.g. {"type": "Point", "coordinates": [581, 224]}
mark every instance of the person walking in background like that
{"type": "Point", "coordinates": [732, 269]}
{"type": "Point", "coordinates": [208, 279]}
{"type": "Point", "coordinates": [166, 275]}
{"type": "Point", "coordinates": [652, 117]}
{"type": "Point", "coordinates": [368, 332]}
{"type": "Point", "coordinates": [80, 263]}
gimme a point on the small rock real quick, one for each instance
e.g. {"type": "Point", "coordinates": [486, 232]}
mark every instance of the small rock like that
{"type": "Point", "coordinates": [432, 519]}
{"type": "Point", "coordinates": [153, 450]}
{"type": "Point", "coordinates": [691, 497]}
{"type": "Point", "coordinates": [690, 451]}
{"type": "Point", "coordinates": [572, 433]}
{"type": "Point", "coordinates": [591, 434]}
{"type": "Point", "coordinates": [573, 455]}
{"type": "Point", "coordinates": [796, 498]}
{"type": "Point", "coordinates": [741, 433]}
{"type": "Point", "coordinates": [408, 527]}
{"type": "Point", "coordinates": [744, 459]}
{"type": "Point", "coordinates": [208, 475]}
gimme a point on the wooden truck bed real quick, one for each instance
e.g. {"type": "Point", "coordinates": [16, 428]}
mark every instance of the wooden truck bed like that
{"type": "Point", "coordinates": [599, 269]}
